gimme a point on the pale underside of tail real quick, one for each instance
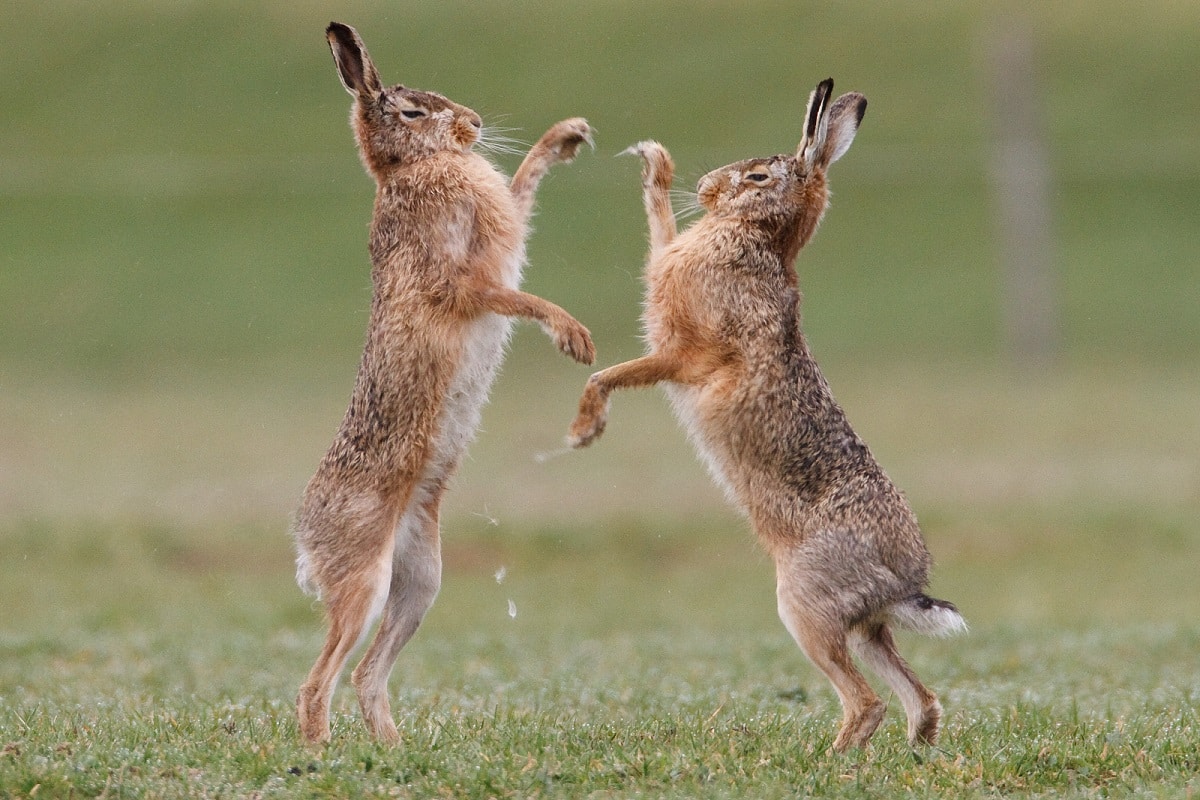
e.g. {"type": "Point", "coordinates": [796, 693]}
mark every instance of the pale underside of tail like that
{"type": "Point", "coordinates": [304, 576]}
{"type": "Point", "coordinates": [926, 615]}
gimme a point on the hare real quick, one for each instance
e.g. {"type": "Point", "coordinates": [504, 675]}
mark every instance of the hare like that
{"type": "Point", "coordinates": [447, 246]}
{"type": "Point", "coordinates": [722, 318]}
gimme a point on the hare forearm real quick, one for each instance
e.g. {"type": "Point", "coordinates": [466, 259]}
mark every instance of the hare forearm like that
{"type": "Point", "coordinates": [567, 332]}
{"type": "Point", "coordinates": [658, 172]}
{"type": "Point", "coordinates": [648, 370]}
{"type": "Point", "coordinates": [559, 144]}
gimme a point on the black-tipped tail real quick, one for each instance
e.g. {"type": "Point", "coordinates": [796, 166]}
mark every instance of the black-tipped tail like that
{"type": "Point", "coordinates": [927, 615]}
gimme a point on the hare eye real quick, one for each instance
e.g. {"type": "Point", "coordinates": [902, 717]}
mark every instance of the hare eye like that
{"type": "Point", "coordinates": [412, 113]}
{"type": "Point", "coordinates": [758, 177]}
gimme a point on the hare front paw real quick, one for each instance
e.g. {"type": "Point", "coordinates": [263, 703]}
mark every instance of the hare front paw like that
{"type": "Point", "coordinates": [564, 139]}
{"type": "Point", "coordinates": [592, 417]}
{"type": "Point", "coordinates": [586, 429]}
{"type": "Point", "coordinates": [573, 338]}
{"type": "Point", "coordinates": [657, 167]}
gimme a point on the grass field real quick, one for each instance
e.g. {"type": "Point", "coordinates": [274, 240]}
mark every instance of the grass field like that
{"type": "Point", "coordinates": [640, 661]}
{"type": "Point", "coordinates": [183, 290]}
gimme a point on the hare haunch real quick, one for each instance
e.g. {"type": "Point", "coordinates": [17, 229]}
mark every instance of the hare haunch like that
{"type": "Point", "coordinates": [722, 318]}
{"type": "Point", "coordinates": [447, 246]}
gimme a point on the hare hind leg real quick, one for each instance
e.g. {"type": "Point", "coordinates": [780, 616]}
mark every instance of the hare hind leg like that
{"type": "Point", "coordinates": [824, 641]}
{"type": "Point", "coordinates": [876, 647]}
{"type": "Point", "coordinates": [352, 605]}
{"type": "Point", "coordinates": [415, 579]}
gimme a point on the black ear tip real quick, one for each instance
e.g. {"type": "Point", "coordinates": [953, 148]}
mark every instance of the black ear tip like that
{"type": "Point", "coordinates": [339, 31]}
{"type": "Point", "coordinates": [861, 109]}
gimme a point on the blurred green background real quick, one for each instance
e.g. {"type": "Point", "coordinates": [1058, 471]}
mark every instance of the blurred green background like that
{"type": "Point", "coordinates": [184, 278]}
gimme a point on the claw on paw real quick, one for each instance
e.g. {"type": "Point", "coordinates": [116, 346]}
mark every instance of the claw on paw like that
{"type": "Point", "coordinates": [657, 167]}
{"type": "Point", "coordinates": [565, 138]}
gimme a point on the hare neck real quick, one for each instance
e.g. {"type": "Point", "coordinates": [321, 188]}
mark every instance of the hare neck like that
{"type": "Point", "coordinates": [800, 226]}
{"type": "Point", "coordinates": [786, 234]}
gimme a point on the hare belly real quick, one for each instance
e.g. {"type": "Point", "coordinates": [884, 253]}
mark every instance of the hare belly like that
{"type": "Point", "coordinates": [459, 420]}
{"type": "Point", "coordinates": [685, 402]}
{"type": "Point", "coordinates": [484, 343]}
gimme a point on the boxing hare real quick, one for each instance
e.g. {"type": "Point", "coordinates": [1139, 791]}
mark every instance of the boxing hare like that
{"type": "Point", "coordinates": [447, 246]}
{"type": "Point", "coordinates": [722, 317]}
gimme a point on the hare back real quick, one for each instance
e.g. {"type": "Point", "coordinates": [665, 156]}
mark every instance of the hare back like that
{"type": "Point", "coordinates": [755, 403]}
{"type": "Point", "coordinates": [787, 457]}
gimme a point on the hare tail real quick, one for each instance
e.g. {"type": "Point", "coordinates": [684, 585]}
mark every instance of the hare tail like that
{"type": "Point", "coordinates": [927, 615]}
{"type": "Point", "coordinates": [305, 578]}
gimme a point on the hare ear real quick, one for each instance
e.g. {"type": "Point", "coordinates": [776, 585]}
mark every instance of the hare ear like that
{"type": "Point", "coordinates": [815, 121]}
{"type": "Point", "coordinates": [844, 117]}
{"type": "Point", "coordinates": [357, 72]}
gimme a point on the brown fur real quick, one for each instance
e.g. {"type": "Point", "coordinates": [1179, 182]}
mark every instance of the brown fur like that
{"type": "Point", "coordinates": [722, 318]}
{"type": "Point", "coordinates": [447, 247]}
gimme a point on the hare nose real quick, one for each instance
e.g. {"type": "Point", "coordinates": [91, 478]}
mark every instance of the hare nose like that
{"type": "Point", "coordinates": [476, 121]}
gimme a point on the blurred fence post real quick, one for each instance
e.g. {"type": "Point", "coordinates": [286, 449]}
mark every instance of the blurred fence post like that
{"type": "Point", "coordinates": [1021, 183]}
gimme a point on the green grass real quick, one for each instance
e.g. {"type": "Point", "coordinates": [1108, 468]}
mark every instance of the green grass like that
{"type": "Point", "coordinates": [183, 290]}
{"type": "Point", "coordinates": [641, 661]}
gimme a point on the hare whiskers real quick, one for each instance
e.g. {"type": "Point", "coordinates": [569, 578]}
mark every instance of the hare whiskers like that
{"type": "Point", "coordinates": [686, 203]}
{"type": "Point", "coordinates": [493, 140]}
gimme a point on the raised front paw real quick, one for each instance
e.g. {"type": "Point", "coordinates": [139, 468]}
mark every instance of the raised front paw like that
{"type": "Point", "coordinates": [586, 429]}
{"type": "Point", "coordinates": [657, 167]}
{"type": "Point", "coordinates": [593, 415]}
{"type": "Point", "coordinates": [573, 339]}
{"type": "Point", "coordinates": [564, 139]}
